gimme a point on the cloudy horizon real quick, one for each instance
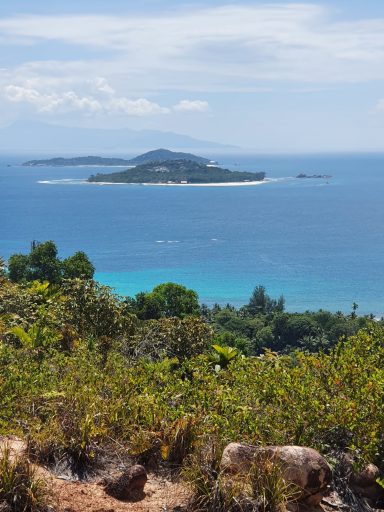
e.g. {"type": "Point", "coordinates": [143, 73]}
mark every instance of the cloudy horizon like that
{"type": "Point", "coordinates": [286, 76]}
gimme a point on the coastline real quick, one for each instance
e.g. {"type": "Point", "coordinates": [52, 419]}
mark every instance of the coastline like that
{"type": "Point", "coordinates": [223, 184]}
{"type": "Point", "coordinates": [74, 181]}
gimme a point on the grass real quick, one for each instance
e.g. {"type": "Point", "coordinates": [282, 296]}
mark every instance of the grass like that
{"type": "Point", "coordinates": [268, 487]}
{"type": "Point", "coordinates": [263, 489]}
{"type": "Point", "coordinates": [21, 489]}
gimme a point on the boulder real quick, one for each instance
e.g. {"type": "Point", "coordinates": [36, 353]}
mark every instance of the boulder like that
{"type": "Point", "coordinates": [364, 483]}
{"type": "Point", "coordinates": [128, 484]}
{"type": "Point", "coordinates": [301, 466]}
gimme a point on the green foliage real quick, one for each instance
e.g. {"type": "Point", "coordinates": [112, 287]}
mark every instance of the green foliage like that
{"type": "Point", "coordinates": [211, 490]}
{"type": "Point", "coordinates": [79, 372]}
{"type": "Point", "coordinates": [18, 267]}
{"type": "Point", "coordinates": [38, 336]}
{"type": "Point", "coordinates": [222, 356]}
{"type": "Point", "coordinates": [2, 268]}
{"type": "Point", "coordinates": [173, 338]}
{"type": "Point", "coordinates": [93, 310]}
{"type": "Point", "coordinates": [77, 266]}
{"type": "Point", "coordinates": [165, 301]}
{"type": "Point", "coordinates": [263, 324]}
{"type": "Point", "coordinates": [261, 303]}
{"type": "Point", "coordinates": [177, 171]}
{"type": "Point", "coordinates": [43, 264]}
{"type": "Point", "coordinates": [241, 343]}
{"type": "Point", "coordinates": [21, 490]}
{"type": "Point", "coordinates": [267, 487]}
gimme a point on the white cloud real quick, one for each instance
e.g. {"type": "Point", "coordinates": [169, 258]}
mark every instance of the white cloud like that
{"type": "Point", "coordinates": [70, 101]}
{"type": "Point", "coordinates": [100, 84]}
{"type": "Point", "coordinates": [192, 106]}
{"type": "Point", "coordinates": [140, 107]}
{"type": "Point", "coordinates": [380, 105]}
{"type": "Point", "coordinates": [233, 46]}
{"type": "Point", "coordinates": [53, 102]}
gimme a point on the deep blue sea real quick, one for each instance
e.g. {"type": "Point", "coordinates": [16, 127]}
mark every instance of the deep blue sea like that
{"type": "Point", "coordinates": [318, 242]}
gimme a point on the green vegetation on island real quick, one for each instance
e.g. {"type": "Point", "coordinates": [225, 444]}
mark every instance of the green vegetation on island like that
{"type": "Point", "coordinates": [78, 161]}
{"type": "Point", "coordinates": [177, 172]}
{"type": "Point", "coordinates": [89, 378]}
{"type": "Point", "coordinates": [161, 155]}
{"type": "Point", "coordinates": [157, 155]}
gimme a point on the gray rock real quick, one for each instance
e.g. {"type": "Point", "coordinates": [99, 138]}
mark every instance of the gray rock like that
{"type": "Point", "coordinates": [301, 466]}
{"type": "Point", "coordinates": [364, 483]}
{"type": "Point", "coordinates": [128, 484]}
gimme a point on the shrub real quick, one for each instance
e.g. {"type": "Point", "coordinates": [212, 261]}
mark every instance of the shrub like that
{"type": "Point", "coordinates": [21, 490]}
{"type": "Point", "coordinates": [267, 487]}
{"type": "Point", "coordinates": [211, 490]}
{"type": "Point", "coordinates": [174, 337]}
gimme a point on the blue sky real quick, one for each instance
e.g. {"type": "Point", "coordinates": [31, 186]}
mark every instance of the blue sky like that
{"type": "Point", "coordinates": [269, 76]}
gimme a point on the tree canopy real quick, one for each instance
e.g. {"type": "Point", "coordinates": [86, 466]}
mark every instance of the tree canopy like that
{"type": "Point", "coordinates": [165, 301]}
{"type": "Point", "coordinates": [43, 264]}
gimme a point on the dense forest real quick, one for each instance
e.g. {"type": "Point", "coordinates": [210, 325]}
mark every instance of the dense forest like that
{"type": "Point", "coordinates": [87, 376]}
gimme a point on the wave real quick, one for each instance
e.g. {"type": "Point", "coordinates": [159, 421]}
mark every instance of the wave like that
{"type": "Point", "coordinates": [167, 241]}
{"type": "Point", "coordinates": [65, 181]}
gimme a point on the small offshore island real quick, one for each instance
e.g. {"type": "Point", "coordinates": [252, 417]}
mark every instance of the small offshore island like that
{"type": "Point", "coordinates": [177, 172]}
{"type": "Point", "coordinates": [164, 167]}
{"type": "Point", "coordinates": [316, 176]}
{"type": "Point", "coordinates": [157, 155]}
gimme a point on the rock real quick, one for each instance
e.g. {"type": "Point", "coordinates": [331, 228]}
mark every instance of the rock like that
{"type": "Point", "coordinates": [304, 467]}
{"type": "Point", "coordinates": [364, 483]}
{"type": "Point", "coordinates": [366, 477]}
{"type": "Point", "coordinates": [127, 485]}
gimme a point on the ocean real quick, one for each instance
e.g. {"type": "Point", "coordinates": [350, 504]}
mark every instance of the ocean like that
{"type": "Point", "coordinates": [318, 242]}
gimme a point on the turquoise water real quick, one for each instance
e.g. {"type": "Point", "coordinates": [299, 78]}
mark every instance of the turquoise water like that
{"type": "Point", "coordinates": [320, 244]}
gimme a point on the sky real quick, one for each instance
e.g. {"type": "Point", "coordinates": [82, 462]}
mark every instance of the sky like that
{"type": "Point", "coordinates": [268, 76]}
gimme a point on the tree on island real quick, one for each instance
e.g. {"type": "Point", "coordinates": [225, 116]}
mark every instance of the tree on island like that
{"type": "Point", "coordinates": [43, 264]}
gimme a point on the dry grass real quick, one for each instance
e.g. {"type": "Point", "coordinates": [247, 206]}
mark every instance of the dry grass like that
{"type": "Point", "coordinates": [21, 490]}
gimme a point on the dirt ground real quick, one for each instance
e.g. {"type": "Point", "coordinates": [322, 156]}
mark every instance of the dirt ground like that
{"type": "Point", "coordinates": [161, 494]}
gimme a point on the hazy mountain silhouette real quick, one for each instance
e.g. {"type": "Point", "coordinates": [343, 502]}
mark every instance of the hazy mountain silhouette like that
{"type": "Point", "coordinates": [42, 137]}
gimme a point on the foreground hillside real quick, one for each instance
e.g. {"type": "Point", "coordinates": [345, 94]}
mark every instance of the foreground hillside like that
{"type": "Point", "coordinates": [92, 381]}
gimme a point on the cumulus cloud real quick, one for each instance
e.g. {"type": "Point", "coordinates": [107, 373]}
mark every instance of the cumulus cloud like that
{"type": "Point", "coordinates": [66, 101]}
{"type": "Point", "coordinates": [70, 101]}
{"type": "Point", "coordinates": [191, 106]}
{"type": "Point", "coordinates": [140, 107]}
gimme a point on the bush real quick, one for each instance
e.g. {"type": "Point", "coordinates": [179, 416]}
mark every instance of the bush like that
{"type": "Point", "coordinates": [21, 490]}
{"type": "Point", "coordinates": [267, 487]}
{"type": "Point", "coordinates": [174, 337]}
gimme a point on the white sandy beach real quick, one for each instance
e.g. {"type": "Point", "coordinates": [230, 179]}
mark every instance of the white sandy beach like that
{"type": "Point", "coordinates": [227, 184]}
{"type": "Point", "coordinates": [106, 183]}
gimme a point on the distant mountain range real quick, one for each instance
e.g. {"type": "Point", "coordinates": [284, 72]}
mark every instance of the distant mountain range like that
{"type": "Point", "coordinates": [36, 137]}
{"type": "Point", "coordinates": [155, 156]}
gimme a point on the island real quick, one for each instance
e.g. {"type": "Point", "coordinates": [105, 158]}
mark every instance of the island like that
{"type": "Point", "coordinates": [157, 155]}
{"type": "Point", "coordinates": [324, 176]}
{"type": "Point", "coordinates": [177, 172]}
